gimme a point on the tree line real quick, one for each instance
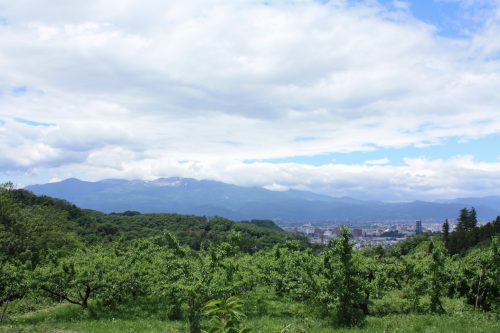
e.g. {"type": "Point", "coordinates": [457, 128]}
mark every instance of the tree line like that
{"type": "Point", "coordinates": [467, 234]}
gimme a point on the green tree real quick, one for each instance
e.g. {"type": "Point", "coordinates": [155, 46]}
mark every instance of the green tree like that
{"type": "Point", "coordinates": [29, 234]}
{"type": "Point", "coordinates": [463, 220]}
{"type": "Point", "coordinates": [460, 241]}
{"type": "Point", "coordinates": [371, 268]}
{"type": "Point", "coordinates": [291, 270]}
{"type": "Point", "coordinates": [437, 278]}
{"type": "Point", "coordinates": [212, 273]}
{"type": "Point", "coordinates": [472, 219]}
{"type": "Point", "coordinates": [495, 247]}
{"type": "Point", "coordinates": [13, 284]}
{"type": "Point", "coordinates": [478, 280]}
{"type": "Point", "coordinates": [467, 219]}
{"type": "Point", "coordinates": [131, 277]}
{"type": "Point", "coordinates": [415, 285]}
{"type": "Point", "coordinates": [78, 278]}
{"type": "Point", "coordinates": [170, 269]}
{"type": "Point", "coordinates": [343, 291]}
{"type": "Point", "coordinates": [446, 233]}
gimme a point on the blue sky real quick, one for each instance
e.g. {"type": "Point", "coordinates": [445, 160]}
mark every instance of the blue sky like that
{"type": "Point", "coordinates": [486, 149]}
{"type": "Point", "coordinates": [394, 100]}
{"type": "Point", "coordinates": [451, 18]}
{"type": "Point", "coordinates": [32, 123]}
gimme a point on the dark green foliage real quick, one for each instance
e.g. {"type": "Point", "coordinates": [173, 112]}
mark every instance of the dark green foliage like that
{"type": "Point", "coordinates": [264, 224]}
{"type": "Point", "coordinates": [127, 213]}
{"type": "Point", "coordinates": [189, 229]}
{"type": "Point", "coordinates": [472, 219]}
{"type": "Point", "coordinates": [27, 198]}
{"type": "Point", "coordinates": [30, 233]}
{"type": "Point", "coordinates": [467, 220]}
{"type": "Point", "coordinates": [446, 233]}
{"type": "Point", "coordinates": [460, 241]}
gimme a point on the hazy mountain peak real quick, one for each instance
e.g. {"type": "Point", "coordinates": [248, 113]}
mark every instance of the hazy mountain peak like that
{"type": "Point", "coordinates": [71, 180]}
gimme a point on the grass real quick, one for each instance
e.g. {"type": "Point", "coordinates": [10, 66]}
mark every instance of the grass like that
{"type": "Point", "coordinates": [68, 318]}
{"type": "Point", "coordinates": [393, 323]}
{"type": "Point", "coordinates": [267, 313]}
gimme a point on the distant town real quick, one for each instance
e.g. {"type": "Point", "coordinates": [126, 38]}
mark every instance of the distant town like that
{"type": "Point", "coordinates": [381, 234]}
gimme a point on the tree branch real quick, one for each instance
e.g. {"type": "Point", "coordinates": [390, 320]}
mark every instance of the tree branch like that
{"type": "Point", "coordinates": [60, 295]}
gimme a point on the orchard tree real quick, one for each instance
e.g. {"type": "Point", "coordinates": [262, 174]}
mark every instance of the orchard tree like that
{"type": "Point", "coordinates": [213, 273]}
{"type": "Point", "coordinates": [371, 269]}
{"type": "Point", "coordinates": [479, 278]}
{"type": "Point", "coordinates": [170, 268]}
{"type": "Point", "coordinates": [415, 278]}
{"type": "Point", "coordinates": [78, 278]}
{"type": "Point", "coordinates": [293, 271]}
{"type": "Point", "coordinates": [13, 284]}
{"type": "Point", "coordinates": [131, 275]}
{"type": "Point", "coordinates": [29, 234]}
{"type": "Point", "coordinates": [343, 290]}
{"type": "Point", "coordinates": [495, 247]}
{"type": "Point", "coordinates": [437, 278]}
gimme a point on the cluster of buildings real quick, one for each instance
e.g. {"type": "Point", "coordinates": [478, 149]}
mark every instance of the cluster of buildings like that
{"type": "Point", "coordinates": [373, 235]}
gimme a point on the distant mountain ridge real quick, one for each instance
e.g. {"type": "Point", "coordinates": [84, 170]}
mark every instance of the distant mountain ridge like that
{"type": "Point", "coordinates": [210, 198]}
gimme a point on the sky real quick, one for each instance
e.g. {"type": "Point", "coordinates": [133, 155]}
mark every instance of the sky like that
{"type": "Point", "coordinates": [389, 100]}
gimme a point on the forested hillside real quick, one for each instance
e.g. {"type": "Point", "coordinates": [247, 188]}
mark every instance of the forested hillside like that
{"type": "Point", "coordinates": [68, 269]}
{"type": "Point", "coordinates": [91, 227]}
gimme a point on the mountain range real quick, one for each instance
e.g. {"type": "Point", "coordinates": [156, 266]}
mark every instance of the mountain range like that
{"type": "Point", "coordinates": [211, 198]}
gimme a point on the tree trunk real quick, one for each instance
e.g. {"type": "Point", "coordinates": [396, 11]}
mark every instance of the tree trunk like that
{"type": "Point", "coordinates": [85, 297]}
{"type": "Point", "coordinates": [364, 308]}
{"type": "Point", "coordinates": [194, 316]}
{"type": "Point", "coordinates": [479, 289]}
{"type": "Point", "coordinates": [4, 311]}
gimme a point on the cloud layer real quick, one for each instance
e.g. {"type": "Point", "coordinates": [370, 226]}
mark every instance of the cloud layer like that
{"type": "Point", "coordinates": [159, 88]}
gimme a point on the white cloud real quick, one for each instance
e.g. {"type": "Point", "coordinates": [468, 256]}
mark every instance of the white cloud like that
{"type": "Point", "coordinates": [417, 178]}
{"type": "Point", "coordinates": [136, 89]}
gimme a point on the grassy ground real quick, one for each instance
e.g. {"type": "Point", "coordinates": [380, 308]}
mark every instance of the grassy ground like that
{"type": "Point", "coordinates": [393, 323]}
{"type": "Point", "coordinates": [68, 318]}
